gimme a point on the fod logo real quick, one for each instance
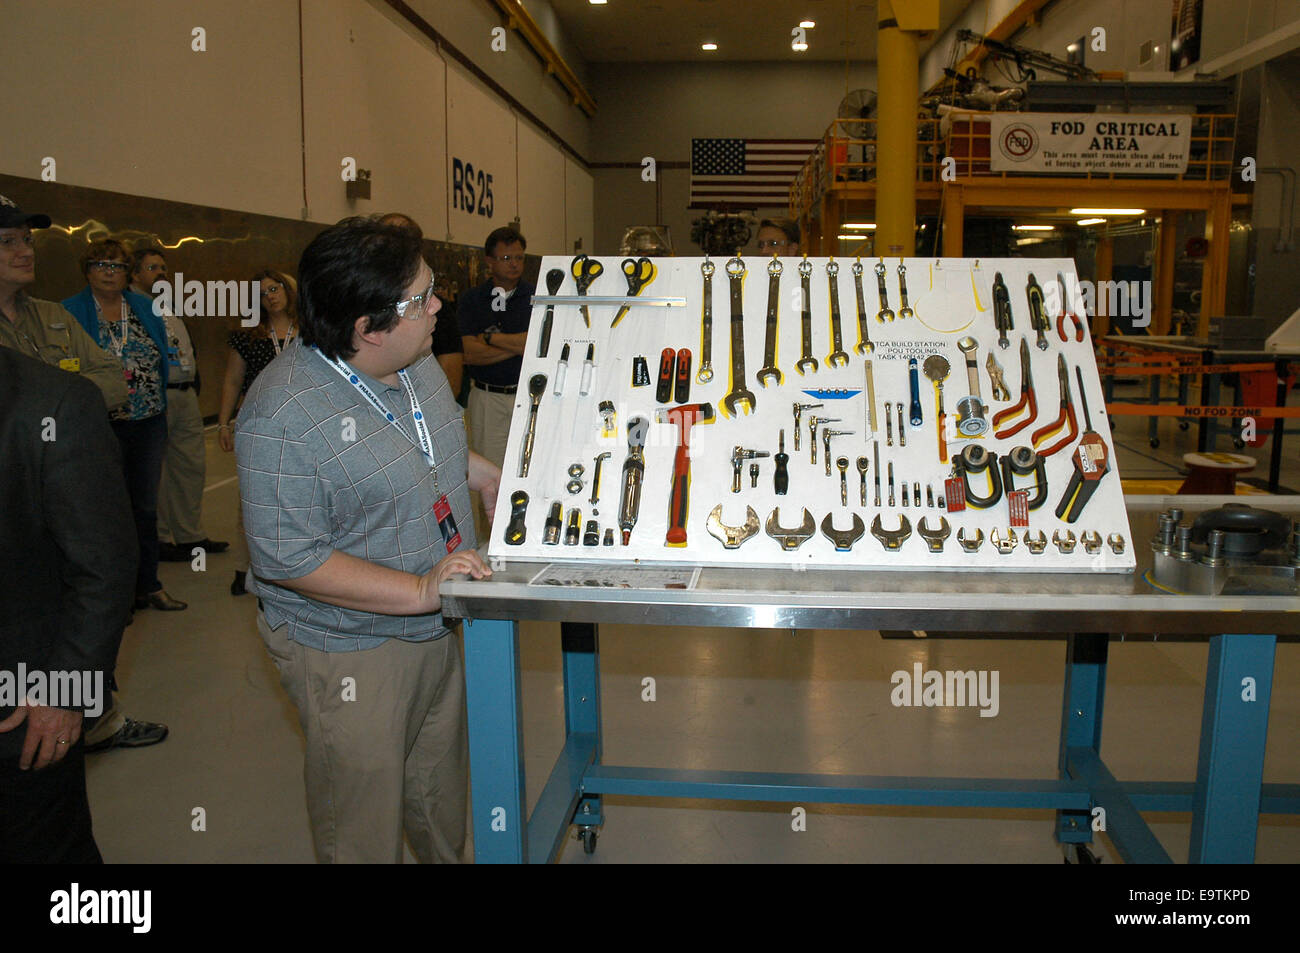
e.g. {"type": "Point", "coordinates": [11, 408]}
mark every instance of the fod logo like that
{"type": "Point", "coordinates": [1019, 142]}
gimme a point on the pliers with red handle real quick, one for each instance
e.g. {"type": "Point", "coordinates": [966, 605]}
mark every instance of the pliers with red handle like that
{"type": "Point", "coordinates": [1066, 416]}
{"type": "Point", "coordinates": [1078, 326]}
{"type": "Point", "coordinates": [1027, 399]}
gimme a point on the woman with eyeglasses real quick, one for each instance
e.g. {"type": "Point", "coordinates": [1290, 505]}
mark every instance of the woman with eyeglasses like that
{"type": "Point", "coordinates": [250, 352]}
{"type": "Point", "coordinates": [123, 323]}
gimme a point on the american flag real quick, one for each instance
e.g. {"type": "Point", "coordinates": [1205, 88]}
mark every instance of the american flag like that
{"type": "Point", "coordinates": [746, 172]}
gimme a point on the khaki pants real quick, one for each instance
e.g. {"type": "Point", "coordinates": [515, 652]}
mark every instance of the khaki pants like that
{"type": "Point", "coordinates": [489, 429]}
{"type": "Point", "coordinates": [180, 493]}
{"type": "Point", "coordinates": [394, 758]}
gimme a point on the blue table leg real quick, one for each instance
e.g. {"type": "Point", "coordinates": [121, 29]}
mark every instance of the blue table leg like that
{"type": "Point", "coordinates": [1230, 769]}
{"type": "Point", "coordinates": [1081, 717]}
{"type": "Point", "coordinates": [580, 643]}
{"type": "Point", "coordinates": [496, 741]}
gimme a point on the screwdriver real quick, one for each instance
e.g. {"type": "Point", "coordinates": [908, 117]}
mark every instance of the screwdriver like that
{"type": "Point", "coordinates": [781, 478]}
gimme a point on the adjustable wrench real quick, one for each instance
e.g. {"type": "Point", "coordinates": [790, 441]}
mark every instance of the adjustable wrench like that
{"type": "Point", "coordinates": [739, 393]}
{"type": "Point", "coordinates": [884, 314]}
{"type": "Point", "coordinates": [838, 356]}
{"type": "Point", "coordinates": [705, 373]}
{"type": "Point", "coordinates": [805, 318]}
{"type": "Point", "coordinates": [864, 333]}
{"type": "Point", "coordinates": [769, 369]}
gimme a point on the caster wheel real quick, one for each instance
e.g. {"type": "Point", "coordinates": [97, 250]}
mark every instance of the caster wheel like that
{"type": "Point", "coordinates": [1079, 854]}
{"type": "Point", "coordinates": [1239, 443]}
{"type": "Point", "coordinates": [588, 837]}
{"type": "Point", "coordinates": [1183, 425]}
{"type": "Point", "coordinates": [1154, 444]}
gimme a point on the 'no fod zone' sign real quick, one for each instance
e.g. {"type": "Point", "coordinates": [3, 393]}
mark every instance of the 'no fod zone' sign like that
{"type": "Point", "coordinates": [1120, 143]}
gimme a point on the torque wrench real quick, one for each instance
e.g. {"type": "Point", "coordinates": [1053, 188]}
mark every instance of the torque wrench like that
{"type": "Point", "coordinates": [739, 393]}
{"type": "Point", "coordinates": [805, 319]}
{"type": "Point", "coordinates": [838, 356]}
{"type": "Point", "coordinates": [769, 369]}
{"type": "Point", "coordinates": [705, 373]}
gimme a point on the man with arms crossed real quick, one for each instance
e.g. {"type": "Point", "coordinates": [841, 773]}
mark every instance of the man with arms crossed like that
{"type": "Point", "coordinates": [355, 477]}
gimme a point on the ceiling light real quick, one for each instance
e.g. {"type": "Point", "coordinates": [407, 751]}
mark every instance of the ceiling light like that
{"type": "Point", "coordinates": [597, 3]}
{"type": "Point", "coordinates": [1033, 228]}
{"type": "Point", "coordinates": [852, 238]}
{"type": "Point", "coordinates": [708, 46]}
{"type": "Point", "coordinates": [1029, 241]}
{"type": "Point", "coordinates": [807, 24]}
{"type": "Point", "coordinates": [798, 47]}
{"type": "Point", "coordinates": [1108, 211]}
{"type": "Point", "coordinates": [866, 225]}
{"type": "Point", "coordinates": [1090, 221]}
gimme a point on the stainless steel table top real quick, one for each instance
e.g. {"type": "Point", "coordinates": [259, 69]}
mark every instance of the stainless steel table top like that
{"type": "Point", "coordinates": [1004, 602]}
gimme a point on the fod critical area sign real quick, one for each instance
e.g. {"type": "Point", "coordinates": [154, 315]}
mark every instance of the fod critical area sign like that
{"type": "Point", "coordinates": [1119, 143]}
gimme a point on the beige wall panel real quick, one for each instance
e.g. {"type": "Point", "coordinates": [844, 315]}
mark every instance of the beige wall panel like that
{"type": "Point", "coordinates": [541, 192]}
{"type": "Point", "coordinates": [480, 142]}
{"type": "Point", "coordinates": [375, 94]}
{"type": "Point", "coordinates": [579, 210]}
{"type": "Point", "coordinates": [115, 94]}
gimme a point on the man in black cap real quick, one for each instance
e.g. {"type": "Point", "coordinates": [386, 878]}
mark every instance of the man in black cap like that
{"type": "Point", "coordinates": [44, 329]}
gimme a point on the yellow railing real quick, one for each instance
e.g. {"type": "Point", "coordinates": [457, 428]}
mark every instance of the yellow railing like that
{"type": "Point", "coordinates": [847, 155]}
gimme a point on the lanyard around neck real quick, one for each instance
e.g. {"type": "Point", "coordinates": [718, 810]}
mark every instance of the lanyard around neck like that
{"type": "Point", "coordinates": [119, 344]}
{"type": "Point", "coordinates": [275, 340]}
{"type": "Point", "coordinates": [421, 438]}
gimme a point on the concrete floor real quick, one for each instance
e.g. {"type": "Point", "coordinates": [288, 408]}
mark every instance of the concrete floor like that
{"type": "Point", "coordinates": [813, 701]}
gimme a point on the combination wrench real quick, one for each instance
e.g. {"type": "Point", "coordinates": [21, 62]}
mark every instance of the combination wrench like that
{"type": "Point", "coordinates": [838, 356]}
{"type": "Point", "coordinates": [805, 318]}
{"type": "Point", "coordinates": [769, 369]}
{"type": "Point", "coordinates": [705, 373]}
{"type": "Point", "coordinates": [739, 393]}
{"type": "Point", "coordinates": [864, 344]}
{"type": "Point", "coordinates": [884, 314]}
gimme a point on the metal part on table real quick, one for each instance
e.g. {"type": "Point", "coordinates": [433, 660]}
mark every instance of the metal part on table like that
{"type": "Point", "coordinates": [838, 356]}
{"type": "Point", "coordinates": [576, 470]}
{"type": "Point", "coordinates": [1237, 549]}
{"type": "Point", "coordinates": [891, 539]}
{"type": "Point", "coordinates": [790, 538]}
{"type": "Point", "coordinates": [905, 497]}
{"type": "Point", "coordinates": [889, 426]}
{"type": "Point", "coordinates": [971, 411]}
{"type": "Point", "coordinates": [842, 464]}
{"type": "Point", "coordinates": [934, 538]}
{"type": "Point", "coordinates": [705, 373]}
{"type": "Point", "coordinates": [1116, 543]}
{"type": "Point", "coordinates": [591, 535]}
{"type": "Point", "coordinates": [970, 544]}
{"type": "Point", "coordinates": [731, 537]}
{"type": "Point", "coordinates": [916, 493]}
{"type": "Point", "coordinates": [1091, 540]}
{"type": "Point", "coordinates": [608, 539]}
{"type": "Point", "coordinates": [864, 344]}
{"type": "Point", "coordinates": [1003, 544]}
{"type": "Point", "coordinates": [1035, 544]}
{"type": "Point", "coordinates": [1065, 544]}
{"type": "Point", "coordinates": [769, 370]}
{"type": "Point", "coordinates": [573, 529]}
{"type": "Point", "coordinates": [843, 539]}
{"type": "Point", "coordinates": [902, 431]}
{"type": "Point", "coordinates": [891, 482]}
{"type": "Point", "coordinates": [753, 476]}
{"type": "Point", "coordinates": [574, 486]}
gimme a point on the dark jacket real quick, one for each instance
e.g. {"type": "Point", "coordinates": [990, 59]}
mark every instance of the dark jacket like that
{"type": "Point", "coordinates": [68, 547]}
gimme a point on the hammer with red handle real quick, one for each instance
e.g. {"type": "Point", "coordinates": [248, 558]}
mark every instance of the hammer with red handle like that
{"type": "Point", "coordinates": [684, 417]}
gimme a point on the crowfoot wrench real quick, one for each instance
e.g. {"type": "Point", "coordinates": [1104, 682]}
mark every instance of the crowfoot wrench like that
{"type": "Point", "coordinates": [884, 314]}
{"type": "Point", "coordinates": [892, 539]}
{"type": "Point", "coordinates": [805, 318]}
{"type": "Point", "coordinates": [705, 373]}
{"type": "Point", "coordinates": [864, 333]}
{"type": "Point", "coordinates": [739, 393]}
{"type": "Point", "coordinates": [790, 538]}
{"type": "Point", "coordinates": [934, 538]}
{"type": "Point", "coordinates": [974, 543]}
{"type": "Point", "coordinates": [1003, 545]}
{"type": "Point", "coordinates": [843, 538]}
{"type": "Point", "coordinates": [838, 356]}
{"type": "Point", "coordinates": [731, 536]}
{"type": "Point", "coordinates": [1064, 543]}
{"type": "Point", "coordinates": [769, 369]}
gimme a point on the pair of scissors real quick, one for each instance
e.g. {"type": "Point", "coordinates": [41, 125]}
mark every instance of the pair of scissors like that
{"type": "Point", "coordinates": [639, 273]}
{"type": "Point", "coordinates": [585, 271]}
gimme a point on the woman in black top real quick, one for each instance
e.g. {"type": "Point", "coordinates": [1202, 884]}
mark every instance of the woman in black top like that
{"type": "Point", "coordinates": [251, 350]}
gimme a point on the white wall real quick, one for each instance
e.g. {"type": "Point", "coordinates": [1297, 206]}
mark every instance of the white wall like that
{"type": "Point", "coordinates": [143, 114]}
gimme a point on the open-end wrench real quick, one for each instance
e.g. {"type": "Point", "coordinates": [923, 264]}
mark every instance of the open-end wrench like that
{"type": "Point", "coordinates": [891, 539]}
{"type": "Point", "coordinates": [884, 314]}
{"type": "Point", "coordinates": [739, 393]}
{"type": "Point", "coordinates": [843, 538]}
{"type": "Point", "coordinates": [864, 344]}
{"type": "Point", "coordinates": [769, 369]}
{"type": "Point", "coordinates": [705, 373]}
{"type": "Point", "coordinates": [805, 318]}
{"type": "Point", "coordinates": [790, 538]}
{"type": "Point", "coordinates": [934, 538]}
{"type": "Point", "coordinates": [904, 311]}
{"type": "Point", "coordinates": [838, 356]}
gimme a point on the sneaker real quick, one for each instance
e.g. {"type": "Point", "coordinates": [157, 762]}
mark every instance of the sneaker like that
{"type": "Point", "coordinates": [132, 734]}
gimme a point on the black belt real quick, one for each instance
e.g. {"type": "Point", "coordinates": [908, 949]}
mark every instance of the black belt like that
{"type": "Point", "coordinates": [186, 386]}
{"type": "Point", "coordinates": [495, 388]}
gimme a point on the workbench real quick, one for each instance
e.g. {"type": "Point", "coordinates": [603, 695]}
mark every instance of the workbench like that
{"type": "Point", "coordinates": [1225, 799]}
{"type": "Point", "coordinates": [1210, 386]}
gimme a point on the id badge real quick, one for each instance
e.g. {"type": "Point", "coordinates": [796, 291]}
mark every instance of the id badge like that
{"type": "Point", "coordinates": [446, 523]}
{"type": "Point", "coordinates": [70, 364]}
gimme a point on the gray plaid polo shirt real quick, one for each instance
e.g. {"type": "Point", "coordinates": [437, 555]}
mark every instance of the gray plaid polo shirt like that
{"type": "Point", "coordinates": [320, 470]}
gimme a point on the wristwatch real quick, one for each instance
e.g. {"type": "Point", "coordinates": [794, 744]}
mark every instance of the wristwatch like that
{"type": "Point", "coordinates": [487, 337]}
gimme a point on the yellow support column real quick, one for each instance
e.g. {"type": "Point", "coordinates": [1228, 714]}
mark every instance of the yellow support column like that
{"type": "Point", "coordinates": [1166, 255]}
{"type": "Point", "coordinates": [898, 63]}
{"type": "Point", "coordinates": [1214, 276]}
{"type": "Point", "coordinates": [1105, 264]}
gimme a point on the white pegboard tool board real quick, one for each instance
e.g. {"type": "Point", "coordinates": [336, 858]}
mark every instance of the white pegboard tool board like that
{"type": "Point", "coordinates": [951, 299]}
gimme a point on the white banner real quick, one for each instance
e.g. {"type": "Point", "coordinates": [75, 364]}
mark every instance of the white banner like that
{"type": "Point", "coordinates": [1120, 143]}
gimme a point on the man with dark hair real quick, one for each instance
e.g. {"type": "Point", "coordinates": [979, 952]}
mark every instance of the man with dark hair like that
{"type": "Point", "coordinates": [185, 460]}
{"type": "Point", "coordinates": [494, 328]}
{"type": "Point", "coordinates": [778, 236]}
{"type": "Point", "coordinates": [355, 479]}
{"type": "Point", "coordinates": [67, 556]}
